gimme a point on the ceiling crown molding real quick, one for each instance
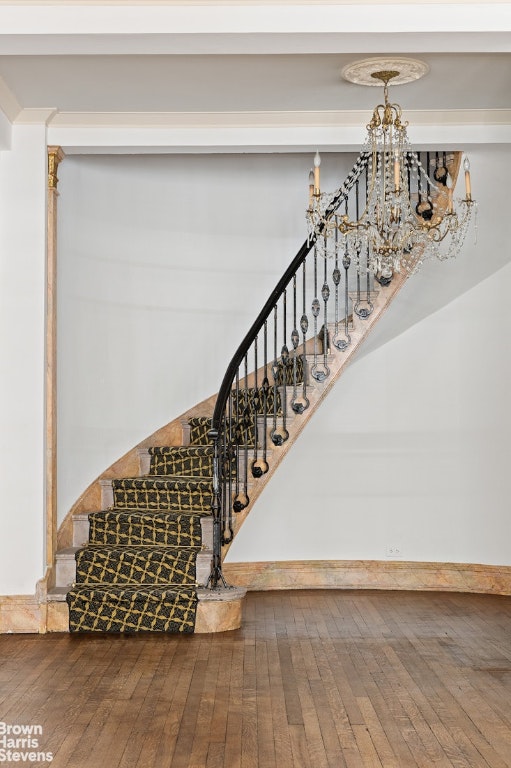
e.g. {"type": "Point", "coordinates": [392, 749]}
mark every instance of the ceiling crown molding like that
{"type": "Point", "coordinates": [334, 131]}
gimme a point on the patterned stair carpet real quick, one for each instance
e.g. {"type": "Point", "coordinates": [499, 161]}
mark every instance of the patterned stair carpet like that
{"type": "Point", "coordinates": [138, 570]}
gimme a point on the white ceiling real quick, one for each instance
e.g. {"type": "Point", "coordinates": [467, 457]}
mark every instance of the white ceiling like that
{"type": "Point", "coordinates": [249, 76]}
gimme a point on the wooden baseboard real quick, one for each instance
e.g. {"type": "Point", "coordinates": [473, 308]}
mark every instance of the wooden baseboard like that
{"type": "Point", "coordinates": [370, 574]}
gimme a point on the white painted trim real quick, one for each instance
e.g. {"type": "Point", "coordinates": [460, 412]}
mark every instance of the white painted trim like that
{"type": "Point", "coordinates": [35, 116]}
{"type": "Point", "coordinates": [331, 136]}
{"type": "Point", "coordinates": [338, 118]}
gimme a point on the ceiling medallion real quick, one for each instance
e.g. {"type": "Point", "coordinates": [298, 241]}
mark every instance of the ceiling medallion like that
{"type": "Point", "coordinates": [407, 70]}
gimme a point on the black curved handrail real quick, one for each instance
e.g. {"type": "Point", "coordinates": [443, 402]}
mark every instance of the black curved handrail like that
{"type": "Point", "coordinates": [225, 389]}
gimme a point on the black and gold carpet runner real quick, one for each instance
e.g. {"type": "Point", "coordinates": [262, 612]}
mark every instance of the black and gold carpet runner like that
{"type": "Point", "coordinates": [137, 572]}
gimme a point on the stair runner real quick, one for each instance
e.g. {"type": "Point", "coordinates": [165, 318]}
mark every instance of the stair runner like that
{"type": "Point", "coordinates": [138, 571]}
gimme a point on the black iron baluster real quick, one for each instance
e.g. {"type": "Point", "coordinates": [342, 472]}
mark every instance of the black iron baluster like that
{"type": "Point", "coordinates": [227, 528]}
{"type": "Point", "coordinates": [258, 465]}
{"type": "Point", "coordinates": [278, 434]}
{"type": "Point", "coordinates": [346, 261]}
{"type": "Point", "coordinates": [255, 411]}
{"type": "Point", "coordinates": [336, 279]}
{"type": "Point", "coordinates": [419, 184]}
{"type": "Point", "coordinates": [362, 312]}
{"type": "Point", "coordinates": [263, 463]}
{"type": "Point", "coordinates": [303, 403]}
{"type": "Point", "coordinates": [357, 303]}
{"type": "Point", "coordinates": [342, 343]}
{"type": "Point", "coordinates": [247, 426]}
{"type": "Point", "coordinates": [284, 356]}
{"type": "Point", "coordinates": [428, 185]}
{"type": "Point", "coordinates": [325, 295]}
{"type": "Point", "coordinates": [216, 508]}
{"type": "Point", "coordinates": [241, 498]}
{"type": "Point", "coordinates": [295, 339]}
{"type": "Point", "coordinates": [231, 465]}
{"type": "Point", "coordinates": [316, 371]}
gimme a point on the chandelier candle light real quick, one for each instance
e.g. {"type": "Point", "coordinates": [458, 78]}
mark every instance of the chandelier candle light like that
{"type": "Point", "coordinates": [408, 212]}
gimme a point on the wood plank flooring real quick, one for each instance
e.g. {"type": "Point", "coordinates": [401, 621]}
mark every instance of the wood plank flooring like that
{"type": "Point", "coordinates": [314, 679]}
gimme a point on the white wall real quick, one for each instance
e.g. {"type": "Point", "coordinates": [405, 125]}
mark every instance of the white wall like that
{"type": "Point", "coordinates": [411, 450]}
{"type": "Point", "coordinates": [164, 263]}
{"type": "Point", "coordinates": [23, 180]}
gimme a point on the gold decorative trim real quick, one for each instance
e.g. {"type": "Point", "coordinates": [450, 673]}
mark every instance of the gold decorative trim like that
{"type": "Point", "coordinates": [370, 574]}
{"type": "Point", "coordinates": [55, 156]}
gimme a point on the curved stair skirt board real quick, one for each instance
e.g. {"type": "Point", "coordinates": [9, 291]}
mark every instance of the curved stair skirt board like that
{"type": "Point", "coordinates": [175, 433]}
{"type": "Point", "coordinates": [218, 610]}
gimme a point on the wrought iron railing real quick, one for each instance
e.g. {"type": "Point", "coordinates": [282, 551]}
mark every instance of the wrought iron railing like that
{"type": "Point", "coordinates": [308, 315]}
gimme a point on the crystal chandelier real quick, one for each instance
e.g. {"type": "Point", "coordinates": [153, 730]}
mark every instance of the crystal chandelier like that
{"type": "Point", "coordinates": [395, 211]}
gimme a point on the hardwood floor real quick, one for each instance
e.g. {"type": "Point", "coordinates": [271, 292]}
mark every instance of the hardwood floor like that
{"type": "Point", "coordinates": [313, 679]}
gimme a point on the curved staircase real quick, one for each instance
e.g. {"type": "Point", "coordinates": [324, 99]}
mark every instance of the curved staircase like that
{"type": "Point", "coordinates": [142, 550]}
{"type": "Point", "coordinates": [142, 562]}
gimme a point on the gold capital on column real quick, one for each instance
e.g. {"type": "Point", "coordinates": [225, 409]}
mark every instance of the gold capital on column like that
{"type": "Point", "coordinates": [55, 156]}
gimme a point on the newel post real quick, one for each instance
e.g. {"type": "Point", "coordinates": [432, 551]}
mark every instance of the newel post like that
{"type": "Point", "coordinates": [216, 509]}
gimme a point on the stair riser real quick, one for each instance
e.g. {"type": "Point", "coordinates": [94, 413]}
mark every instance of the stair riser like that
{"type": "Point", "coordinates": [80, 530]}
{"type": "Point", "coordinates": [65, 569]}
{"type": "Point", "coordinates": [203, 565]}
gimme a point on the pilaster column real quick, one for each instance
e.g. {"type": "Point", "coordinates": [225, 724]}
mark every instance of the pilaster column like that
{"type": "Point", "coordinates": [55, 156]}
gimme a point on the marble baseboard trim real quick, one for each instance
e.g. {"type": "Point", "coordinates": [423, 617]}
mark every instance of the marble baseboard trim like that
{"type": "Point", "coordinates": [25, 614]}
{"type": "Point", "coordinates": [22, 614]}
{"type": "Point", "coordinates": [219, 615]}
{"type": "Point", "coordinates": [217, 611]}
{"type": "Point", "coordinates": [370, 574]}
{"type": "Point", "coordinates": [57, 617]}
